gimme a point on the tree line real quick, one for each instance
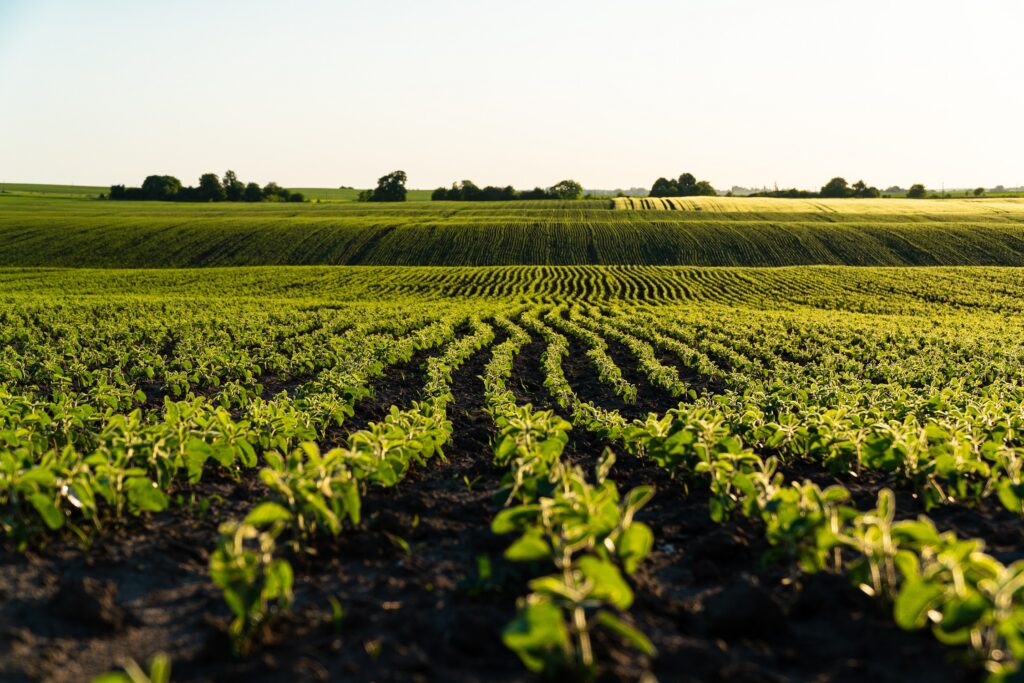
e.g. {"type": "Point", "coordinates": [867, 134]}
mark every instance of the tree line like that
{"type": "Point", "coordinates": [167, 188]}
{"type": "Point", "coordinates": [687, 185]}
{"type": "Point", "coordinates": [468, 191]}
{"type": "Point", "coordinates": [839, 188]}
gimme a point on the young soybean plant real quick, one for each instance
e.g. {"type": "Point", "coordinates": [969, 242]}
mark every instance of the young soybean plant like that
{"type": "Point", "coordinates": [591, 537]}
{"type": "Point", "coordinates": [253, 580]}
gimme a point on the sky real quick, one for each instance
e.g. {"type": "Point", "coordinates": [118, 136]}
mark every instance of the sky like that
{"type": "Point", "coordinates": [313, 93]}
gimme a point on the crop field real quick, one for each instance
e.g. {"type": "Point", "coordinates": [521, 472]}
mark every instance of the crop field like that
{"type": "Point", "coordinates": [716, 231]}
{"type": "Point", "coordinates": [908, 209]}
{"type": "Point", "coordinates": [51, 189]}
{"type": "Point", "coordinates": [463, 474]}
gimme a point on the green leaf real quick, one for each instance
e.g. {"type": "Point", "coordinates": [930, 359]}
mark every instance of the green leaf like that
{"type": "Point", "coordinates": [716, 509]}
{"type": "Point", "coordinates": [634, 544]}
{"type": "Point", "coordinates": [39, 475]}
{"type": "Point", "coordinates": [908, 564]}
{"type": "Point", "coordinates": [267, 513]}
{"type": "Point", "coordinates": [143, 494]}
{"type": "Point", "coordinates": [961, 613]}
{"type": "Point", "coordinates": [608, 582]}
{"type": "Point", "coordinates": [279, 581]}
{"type": "Point", "coordinates": [920, 532]}
{"type": "Point", "coordinates": [914, 600]}
{"type": "Point", "coordinates": [1011, 495]}
{"type": "Point", "coordinates": [350, 496]}
{"type": "Point", "coordinates": [50, 513]}
{"type": "Point", "coordinates": [628, 633]}
{"type": "Point", "coordinates": [530, 547]}
{"type": "Point", "coordinates": [513, 519]}
{"type": "Point", "coordinates": [538, 635]}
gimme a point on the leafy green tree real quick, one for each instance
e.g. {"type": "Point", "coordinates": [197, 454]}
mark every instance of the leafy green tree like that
{"type": "Point", "coordinates": [686, 183]}
{"type": "Point", "coordinates": [252, 193]}
{"type": "Point", "coordinates": [210, 189]}
{"type": "Point", "coordinates": [160, 187]}
{"type": "Point", "coordinates": [979, 191]}
{"type": "Point", "coordinates": [390, 188]}
{"type": "Point", "coordinates": [917, 191]}
{"type": "Point", "coordinates": [272, 192]}
{"type": "Point", "coordinates": [703, 189]}
{"type": "Point", "coordinates": [233, 187]}
{"type": "Point", "coordinates": [567, 189]}
{"type": "Point", "coordinates": [439, 195]}
{"type": "Point", "coordinates": [535, 193]}
{"type": "Point", "coordinates": [862, 191]}
{"type": "Point", "coordinates": [663, 187]}
{"type": "Point", "coordinates": [837, 187]}
{"type": "Point", "coordinates": [469, 192]}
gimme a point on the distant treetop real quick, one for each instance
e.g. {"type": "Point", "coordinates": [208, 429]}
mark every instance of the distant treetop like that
{"type": "Point", "coordinates": [686, 185]}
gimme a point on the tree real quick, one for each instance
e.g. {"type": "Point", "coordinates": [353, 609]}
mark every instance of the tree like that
{"type": "Point", "coordinates": [862, 191]}
{"type": "Point", "coordinates": [210, 189]}
{"type": "Point", "coordinates": [252, 193]}
{"type": "Point", "coordinates": [233, 187]}
{"type": "Point", "coordinates": [686, 183]}
{"type": "Point", "coordinates": [703, 189]}
{"type": "Point", "coordinates": [916, 191]}
{"type": "Point", "coordinates": [439, 195]}
{"type": "Point", "coordinates": [535, 193]}
{"type": "Point", "coordinates": [390, 188]}
{"type": "Point", "coordinates": [272, 192]}
{"type": "Point", "coordinates": [468, 191]}
{"type": "Point", "coordinates": [978, 191]}
{"type": "Point", "coordinates": [160, 187]}
{"type": "Point", "coordinates": [566, 189]}
{"type": "Point", "coordinates": [664, 188]}
{"type": "Point", "coordinates": [837, 187]}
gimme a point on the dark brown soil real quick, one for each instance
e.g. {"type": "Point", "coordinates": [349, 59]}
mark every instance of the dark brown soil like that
{"type": "Point", "coordinates": [704, 596]}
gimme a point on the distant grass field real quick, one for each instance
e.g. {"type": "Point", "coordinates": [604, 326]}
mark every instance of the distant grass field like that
{"type": "Point", "coordinates": [45, 189]}
{"type": "Point", "coordinates": [714, 231]}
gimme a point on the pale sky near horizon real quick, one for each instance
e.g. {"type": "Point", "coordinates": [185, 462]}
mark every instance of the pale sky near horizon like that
{"type": "Point", "coordinates": [613, 94]}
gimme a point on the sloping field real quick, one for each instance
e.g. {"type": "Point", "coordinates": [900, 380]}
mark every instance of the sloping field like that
{"type": "Point", "coordinates": [724, 232]}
